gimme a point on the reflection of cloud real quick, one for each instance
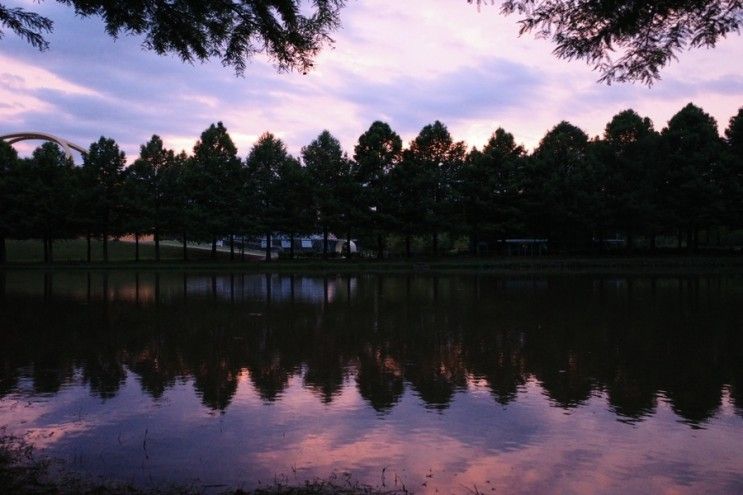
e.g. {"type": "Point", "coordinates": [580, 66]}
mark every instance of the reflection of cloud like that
{"type": "Point", "coordinates": [528, 447]}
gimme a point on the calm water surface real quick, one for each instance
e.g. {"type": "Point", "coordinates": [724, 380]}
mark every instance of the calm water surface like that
{"type": "Point", "coordinates": [565, 384]}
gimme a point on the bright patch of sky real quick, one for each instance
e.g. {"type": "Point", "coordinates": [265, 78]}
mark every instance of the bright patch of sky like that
{"type": "Point", "coordinates": [407, 63]}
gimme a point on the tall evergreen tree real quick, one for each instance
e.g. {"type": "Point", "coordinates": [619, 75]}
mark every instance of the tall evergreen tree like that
{"type": "Point", "coordinates": [732, 175]}
{"type": "Point", "coordinates": [296, 190]}
{"type": "Point", "coordinates": [691, 148]}
{"type": "Point", "coordinates": [8, 215]}
{"type": "Point", "coordinates": [489, 187]}
{"type": "Point", "coordinates": [49, 196]}
{"type": "Point", "coordinates": [178, 209]}
{"type": "Point", "coordinates": [145, 192]}
{"type": "Point", "coordinates": [329, 169]}
{"type": "Point", "coordinates": [437, 157]}
{"type": "Point", "coordinates": [214, 181]}
{"type": "Point", "coordinates": [103, 181]}
{"type": "Point", "coordinates": [406, 191]}
{"type": "Point", "coordinates": [559, 185]}
{"type": "Point", "coordinates": [377, 152]}
{"type": "Point", "coordinates": [628, 160]}
{"type": "Point", "coordinates": [264, 163]}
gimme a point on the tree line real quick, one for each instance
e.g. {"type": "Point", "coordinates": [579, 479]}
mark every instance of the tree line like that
{"type": "Point", "coordinates": [572, 191]}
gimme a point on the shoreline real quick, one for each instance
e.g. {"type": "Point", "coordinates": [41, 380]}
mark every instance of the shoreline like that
{"type": "Point", "coordinates": [640, 264]}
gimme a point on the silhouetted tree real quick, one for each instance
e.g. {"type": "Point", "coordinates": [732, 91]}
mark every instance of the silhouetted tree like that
{"type": "Point", "coordinates": [731, 176]}
{"type": "Point", "coordinates": [691, 158]}
{"type": "Point", "coordinates": [647, 35]}
{"type": "Point", "coordinates": [296, 191]}
{"type": "Point", "coordinates": [489, 188]}
{"type": "Point", "coordinates": [145, 192]}
{"type": "Point", "coordinates": [377, 152]}
{"type": "Point", "coordinates": [437, 158]}
{"type": "Point", "coordinates": [264, 163]}
{"type": "Point", "coordinates": [289, 32]}
{"type": "Point", "coordinates": [8, 164]}
{"type": "Point", "coordinates": [49, 196]}
{"type": "Point", "coordinates": [213, 181]}
{"type": "Point", "coordinates": [103, 181]}
{"type": "Point", "coordinates": [628, 160]}
{"type": "Point", "coordinates": [178, 208]}
{"type": "Point", "coordinates": [559, 187]}
{"type": "Point", "coordinates": [329, 168]}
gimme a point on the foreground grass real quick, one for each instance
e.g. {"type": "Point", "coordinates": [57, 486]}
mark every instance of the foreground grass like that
{"type": "Point", "coordinates": [22, 473]}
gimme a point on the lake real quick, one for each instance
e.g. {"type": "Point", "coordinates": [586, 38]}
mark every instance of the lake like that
{"type": "Point", "coordinates": [455, 383]}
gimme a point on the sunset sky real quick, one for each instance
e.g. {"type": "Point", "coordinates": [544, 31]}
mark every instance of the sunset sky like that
{"type": "Point", "coordinates": [407, 63]}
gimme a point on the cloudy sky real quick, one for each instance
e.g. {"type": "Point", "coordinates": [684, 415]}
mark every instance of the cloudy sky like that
{"type": "Point", "coordinates": [407, 63]}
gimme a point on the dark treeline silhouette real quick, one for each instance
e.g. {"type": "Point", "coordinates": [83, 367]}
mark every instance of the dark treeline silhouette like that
{"type": "Point", "coordinates": [634, 341]}
{"type": "Point", "coordinates": [630, 187]}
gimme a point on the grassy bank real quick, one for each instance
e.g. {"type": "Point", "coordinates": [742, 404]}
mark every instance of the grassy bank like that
{"type": "Point", "coordinates": [75, 251]}
{"type": "Point", "coordinates": [70, 255]}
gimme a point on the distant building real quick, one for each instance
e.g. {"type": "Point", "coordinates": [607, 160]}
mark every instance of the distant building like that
{"type": "Point", "coordinates": [311, 244]}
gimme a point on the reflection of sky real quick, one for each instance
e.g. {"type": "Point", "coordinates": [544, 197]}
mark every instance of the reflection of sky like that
{"type": "Point", "coordinates": [528, 446]}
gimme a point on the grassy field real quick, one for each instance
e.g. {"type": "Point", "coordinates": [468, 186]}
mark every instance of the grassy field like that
{"type": "Point", "coordinates": [71, 254]}
{"type": "Point", "coordinates": [75, 251]}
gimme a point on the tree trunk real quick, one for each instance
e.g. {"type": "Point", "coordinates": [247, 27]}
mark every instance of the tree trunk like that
{"type": "Point", "coordinates": [157, 244]}
{"type": "Point", "coordinates": [348, 245]}
{"type": "Point", "coordinates": [185, 248]}
{"type": "Point", "coordinates": [268, 247]}
{"type": "Point", "coordinates": [51, 250]}
{"type": "Point", "coordinates": [136, 246]}
{"type": "Point", "coordinates": [407, 246]}
{"type": "Point", "coordinates": [291, 246]}
{"type": "Point", "coordinates": [3, 251]}
{"type": "Point", "coordinates": [45, 245]}
{"type": "Point", "coordinates": [435, 244]}
{"type": "Point", "coordinates": [690, 240]}
{"type": "Point", "coordinates": [242, 249]}
{"type": "Point", "coordinates": [214, 247]}
{"type": "Point", "coordinates": [105, 247]}
{"type": "Point", "coordinates": [87, 238]}
{"type": "Point", "coordinates": [232, 247]}
{"type": "Point", "coordinates": [325, 242]}
{"type": "Point", "coordinates": [380, 247]}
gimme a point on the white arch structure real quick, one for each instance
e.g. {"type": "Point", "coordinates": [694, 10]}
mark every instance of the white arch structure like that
{"type": "Point", "coordinates": [66, 145]}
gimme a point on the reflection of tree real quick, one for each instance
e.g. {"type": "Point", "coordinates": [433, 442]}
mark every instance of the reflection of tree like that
{"type": "Point", "coordinates": [575, 336]}
{"type": "Point", "coordinates": [156, 369]}
{"type": "Point", "coordinates": [104, 373]}
{"type": "Point", "coordinates": [270, 377]}
{"type": "Point", "coordinates": [630, 394]}
{"type": "Point", "coordinates": [216, 383]}
{"type": "Point", "coordinates": [497, 357]}
{"type": "Point", "coordinates": [435, 369]}
{"type": "Point", "coordinates": [379, 378]}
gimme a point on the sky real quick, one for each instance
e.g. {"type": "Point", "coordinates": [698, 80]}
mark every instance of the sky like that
{"type": "Point", "coordinates": [407, 63]}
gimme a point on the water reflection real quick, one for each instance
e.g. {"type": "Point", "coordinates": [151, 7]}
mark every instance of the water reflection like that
{"type": "Point", "coordinates": [628, 346]}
